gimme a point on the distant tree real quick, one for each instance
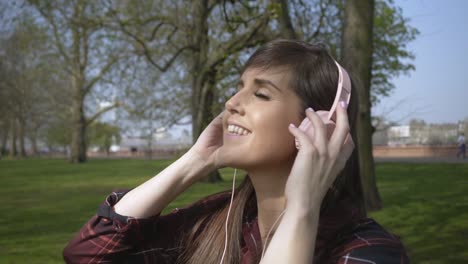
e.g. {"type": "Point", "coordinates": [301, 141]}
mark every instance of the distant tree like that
{"type": "Point", "coordinates": [58, 134]}
{"type": "Point", "coordinates": [103, 136]}
{"type": "Point", "coordinates": [24, 97]}
{"type": "Point", "coordinates": [391, 57]}
{"type": "Point", "coordinates": [88, 52]}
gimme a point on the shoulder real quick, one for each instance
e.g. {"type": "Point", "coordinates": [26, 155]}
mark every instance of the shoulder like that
{"type": "Point", "coordinates": [368, 242]}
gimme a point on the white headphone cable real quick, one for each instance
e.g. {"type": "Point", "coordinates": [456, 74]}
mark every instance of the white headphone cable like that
{"type": "Point", "coordinates": [227, 218]}
{"type": "Point", "coordinates": [268, 235]}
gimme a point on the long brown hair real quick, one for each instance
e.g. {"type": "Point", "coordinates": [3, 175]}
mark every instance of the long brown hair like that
{"type": "Point", "coordinates": [314, 78]}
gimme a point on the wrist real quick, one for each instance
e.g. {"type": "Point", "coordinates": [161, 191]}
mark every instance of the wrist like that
{"type": "Point", "coordinates": [308, 213]}
{"type": "Point", "coordinates": [197, 166]}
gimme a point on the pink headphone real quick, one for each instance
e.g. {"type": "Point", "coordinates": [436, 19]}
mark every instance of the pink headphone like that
{"type": "Point", "coordinates": [343, 93]}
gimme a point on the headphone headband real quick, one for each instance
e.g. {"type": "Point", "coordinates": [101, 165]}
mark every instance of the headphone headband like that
{"type": "Point", "coordinates": [343, 91]}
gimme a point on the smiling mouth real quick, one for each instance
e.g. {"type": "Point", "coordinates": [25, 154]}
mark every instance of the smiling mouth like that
{"type": "Point", "coordinates": [237, 131]}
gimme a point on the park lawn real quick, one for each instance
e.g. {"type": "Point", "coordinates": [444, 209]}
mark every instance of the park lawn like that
{"type": "Point", "coordinates": [45, 201]}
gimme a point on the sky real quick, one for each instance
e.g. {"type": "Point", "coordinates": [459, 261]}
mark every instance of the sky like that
{"type": "Point", "coordinates": [437, 91]}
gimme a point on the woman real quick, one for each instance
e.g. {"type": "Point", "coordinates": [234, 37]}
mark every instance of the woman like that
{"type": "Point", "coordinates": [304, 202]}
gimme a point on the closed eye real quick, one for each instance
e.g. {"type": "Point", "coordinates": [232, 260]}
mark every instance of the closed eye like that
{"type": "Point", "coordinates": [262, 96]}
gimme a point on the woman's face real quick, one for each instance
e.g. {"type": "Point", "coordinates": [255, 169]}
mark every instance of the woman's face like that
{"type": "Point", "coordinates": [255, 123]}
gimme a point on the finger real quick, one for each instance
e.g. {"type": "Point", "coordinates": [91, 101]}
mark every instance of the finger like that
{"type": "Point", "coordinates": [304, 124]}
{"type": "Point", "coordinates": [303, 127]}
{"type": "Point", "coordinates": [328, 182]}
{"type": "Point", "coordinates": [320, 134]}
{"type": "Point", "coordinates": [344, 155]}
{"type": "Point", "coordinates": [347, 149]}
{"type": "Point", "coordinates": [220, 115]}
{"type": "Point", "coordinates": [301, 137]}
{"type": "Point", "coordinates": [340, 164]}
{"type": "Point", "coordinates": [341, 130]}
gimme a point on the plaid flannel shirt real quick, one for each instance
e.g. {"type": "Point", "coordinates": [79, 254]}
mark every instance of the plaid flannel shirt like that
{"type": "Point", "coordinates": [344, 236]}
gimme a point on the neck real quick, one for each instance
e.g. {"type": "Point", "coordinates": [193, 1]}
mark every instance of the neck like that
{"type": "Point", "coordinates": [269, 187]}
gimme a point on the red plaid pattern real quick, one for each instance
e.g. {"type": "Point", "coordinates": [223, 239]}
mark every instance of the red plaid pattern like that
{"type": "Point", "coordinates": [344, 236]}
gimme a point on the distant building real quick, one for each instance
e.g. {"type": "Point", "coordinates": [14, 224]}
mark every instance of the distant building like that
{"type": "Point", "coordinates": [417, 132]}
{"type": "Point", "coordinates": [398, 135]}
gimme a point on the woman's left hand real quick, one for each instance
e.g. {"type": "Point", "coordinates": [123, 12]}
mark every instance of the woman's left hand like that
{"type": "Point", "coordinates": [318, 161]}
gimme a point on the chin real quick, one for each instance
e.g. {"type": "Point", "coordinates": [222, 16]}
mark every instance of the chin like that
{"type": "Point", "coordinates": [246, 163]}
{"type": "Point", "coordinates": [247, 158]}
{"type": "Point", "coordinates": [236, 163]}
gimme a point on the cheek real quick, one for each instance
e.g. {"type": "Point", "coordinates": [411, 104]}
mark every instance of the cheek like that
{"type": "Point", "coordinates": [274, 141]}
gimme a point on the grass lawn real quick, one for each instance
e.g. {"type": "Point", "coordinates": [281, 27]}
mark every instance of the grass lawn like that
{"type": "Point", "coordinates": [45, 201]}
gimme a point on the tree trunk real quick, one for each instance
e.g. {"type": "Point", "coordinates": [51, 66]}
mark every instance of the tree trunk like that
{"type": "Point", "coordinates": [284, 20]}
{"type": "Point", "coordinates": [357, 57]}
{"type": "Point", "coordinates": [78, 144]}
{"type": "Point", "coordinates": [33, 140]}
{"type": "Point", "coordinates": [149, 152]}
{"type": "Point", "coordinates": [78, 52]}
{"type": "Point", "coordinates": [202, 96]}
{"type": "Point", "coordinates": [21, 138]}
{"type": "Point", "coordinates": [199, 55]}
{"type": "Point", "coordinates": [6, 130]}
{"type": "Point", "coordinates": [207, 117]}
{"type": "Point", "coordinates": [13, 150]}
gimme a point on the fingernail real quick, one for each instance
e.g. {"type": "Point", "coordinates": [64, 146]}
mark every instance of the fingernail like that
{"type": "Point", "coordinates": [343, 104]}
{"type": "Point", "coordinates": [292, 125]}
{"type": "Point", "coordinates": [310, 109]}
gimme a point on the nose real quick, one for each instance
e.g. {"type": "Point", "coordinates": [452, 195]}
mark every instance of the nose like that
{"type": "Point", "coordinates": [234, 104]}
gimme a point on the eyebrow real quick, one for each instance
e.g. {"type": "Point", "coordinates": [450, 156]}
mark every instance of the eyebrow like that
{"type": "Point", "coordinates": [260, 82]}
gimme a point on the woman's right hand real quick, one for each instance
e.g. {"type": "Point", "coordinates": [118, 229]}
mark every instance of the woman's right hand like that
{"type": "Point", "coordinates": [151, 197]}
{"type": "Point", "coordinates": [209, 143]}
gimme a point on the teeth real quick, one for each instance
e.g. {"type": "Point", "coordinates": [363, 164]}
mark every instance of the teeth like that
{"type": "Point", "coordinates": [237, 130]}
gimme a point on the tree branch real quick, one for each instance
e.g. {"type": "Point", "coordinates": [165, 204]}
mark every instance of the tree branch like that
{"type": "Point", "coordinates": [320, 23]}
{"type": "Point", "coordinates": [57, 41]}
{"type": "Point", "coordinates": [146, 51]}
{"type": "Point", "coordinates": [100, 112]}
{"type": "Point", "coordinates": [285, 24]}
{"type": "Point", "coordinates": [103, 71]}
{"type": "Point", "coordinates": [235, 44]}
